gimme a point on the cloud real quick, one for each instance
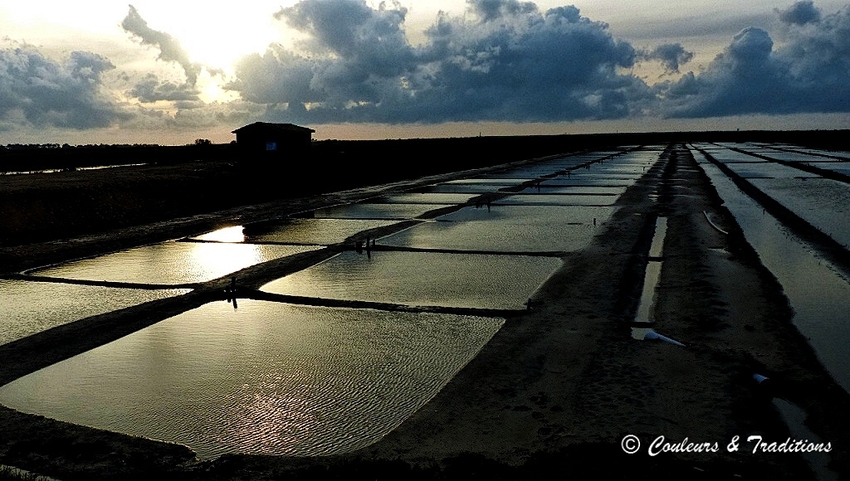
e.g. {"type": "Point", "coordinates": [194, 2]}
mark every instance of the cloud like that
{"type": "Point", "coordinates": [41, 92]}
{"type": "Point", "coordinates": [169, 48]}
{"type": "Point", "coordinates": [800, 13]}
{"type": "Point", "coordinates": [507, 60]}
{"type": "Point", "coordinates": [490, 10]}
{"type": "Point", "coordinates": [150, 89]}
{"type": "Point", "coordinates": [807, 73]}
{"type": "Point", "coordinates": [504, 60]}
{"type": "Point", "coordinates": [216, 114]}
{"type": "Point", "coordinates": [671, 56]}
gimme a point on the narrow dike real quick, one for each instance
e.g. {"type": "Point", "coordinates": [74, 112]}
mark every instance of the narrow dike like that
{"type": "Point", "coordinates": [825, 245]}
{"type": "Point", "coordinates": [825, 173]}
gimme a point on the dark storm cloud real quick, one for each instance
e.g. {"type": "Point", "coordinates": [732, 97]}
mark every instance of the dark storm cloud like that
{"type": "Point", "coordinates": [744, 79]}
{"type": "Point", "coordinates": [150, 89]}
{"type": "Point", "coordinates": [800, 13]}
{"type": "Point", "coordinates": [169, 48]}
{"type": "Point", "coordinates": [41, 92]}
{"type": "Point", "coordinates": [671, 56]}
{"type": "Point", "coordinates": [489, 10]}
{"type": "Point", "coordinates": [505, 60]}
{"type": "Point", "coordinates": [807, 73]}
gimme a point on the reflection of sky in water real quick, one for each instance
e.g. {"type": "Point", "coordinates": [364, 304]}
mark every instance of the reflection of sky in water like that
{"type": "Point", "coordinates": [840, 167]}
{"type": "Point", "coordinates": [645, 310]}
{"type": "Point", "coordinates": [576, 189]}
{"type": "Point", "coordinates": [529, 172]}
{"type": "Point", "coordinates": [735, 145]}
{"type": "Point", "coordinates": [588, 180]}
{"type": "Point", "coordinates": [505, 182]}
{"type": "Point", "coordinates": [820, 155]}
{"type": "Point", "coordinates": [656, 249]}
{"type": "Point", "coordinates": [647, 297]}
{"type": "Point", "coordinates": [419, 198]}
{"type": "Point", "coordinates": [30, 307]}
{"type": "Point", "coordinates": [820, 297]}
{"type": "Point", "coordinates": [377, 211]}
{"type": "Point", "coordinates": [422, 279]}
{"type": "Point", "coordinates": [225, 234]}
{"type": "Point", "coordinates": [531, 198]}
{"type": "Point", "coordinates": [171, 262]}
{"type": "Point", "coordinates": [632, 163]}
{"type": "Point", "coordinates": [463, 188]}
{"type": "Point", "coordinates": [771, 170]}
{"type": "Point", "coordinates": [792, 156]}
{"type": "Point", "coordinates": [732, 156]}
{"type": "Point", "coordinates": [316, 231]}
{"type": "Point", "coordinates": [264, 379]}
{"type": "Point", "coordinates": [824, 203]}
{"type": "Point", "coordinates": [507, 229]}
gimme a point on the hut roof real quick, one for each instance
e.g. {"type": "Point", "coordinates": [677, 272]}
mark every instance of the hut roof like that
{"type": "Point", "coordinates": [270, 127]}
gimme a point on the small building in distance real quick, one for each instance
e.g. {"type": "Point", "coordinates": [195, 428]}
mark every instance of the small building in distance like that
{"type": "Point", "coordinates": [273, 140]}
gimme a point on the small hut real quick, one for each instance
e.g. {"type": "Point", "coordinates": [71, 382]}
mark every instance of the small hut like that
{"type": "Point", "coordinates": [273, 140]}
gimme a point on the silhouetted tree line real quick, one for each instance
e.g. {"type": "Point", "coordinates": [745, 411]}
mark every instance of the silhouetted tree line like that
{"type": "Point", "coordinates": [27, 157]}
{"type": "Point", "coordinates": [378, 159]}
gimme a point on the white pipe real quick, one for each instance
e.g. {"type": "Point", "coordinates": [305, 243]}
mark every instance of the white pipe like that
{"type": "Point", "coordinates": [654, 335]}
{"type": "Point", "coordinates": [713, 224]}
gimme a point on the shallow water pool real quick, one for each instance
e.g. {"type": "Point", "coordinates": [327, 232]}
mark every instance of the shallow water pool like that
{"type": "Point", "coordinates": [30, 307]}
{"type": "Point", "coordinates": [819, 295]}
{"type": "Point", "coordinates": [507, 228]}
{"type": "Point", "coordinates": [425, 198]}
{"type": "Point", "coordinates": [577, 190]}
{"type": "Point", "coordinates": [312, 231]}
{"type": "Point", "coordinates": [422, 279]}
{"type": "Point", "coordinates": [376, 211]}
{"type": "Point", "coordinates": [768, 170]}
{"type": "Point", "coordinates": [267, 378]}
{"type": "Point", "coordinates": [528, 197]}
{"type": "Point", "coordinates": [824, 203]}
{"type": "Point", "coordinates": [477, 188]}
{"type": "Point", "coordinates": [171, 262]}
{"type": "Point", "coordinates": [588, 180]}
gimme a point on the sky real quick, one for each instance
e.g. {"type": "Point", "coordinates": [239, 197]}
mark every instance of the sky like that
{"type": "Point", "coordinates": [168, 72]}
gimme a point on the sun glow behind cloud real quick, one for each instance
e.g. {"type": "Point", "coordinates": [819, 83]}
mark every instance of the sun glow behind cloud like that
{"type": "Point", "coordinates": [373, 69]}
{"type": "Point", "coordinates": [215, 36]}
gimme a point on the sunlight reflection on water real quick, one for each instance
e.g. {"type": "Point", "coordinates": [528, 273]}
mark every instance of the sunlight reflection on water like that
{"type": "Point", "coordinates": [171, 262]}
{"type": "Point", "coordinates": [422, 279]}
{"type": "Point", "coordinates": [29, 307]}
{"type": "Point", "coordinates": [264, 379]}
